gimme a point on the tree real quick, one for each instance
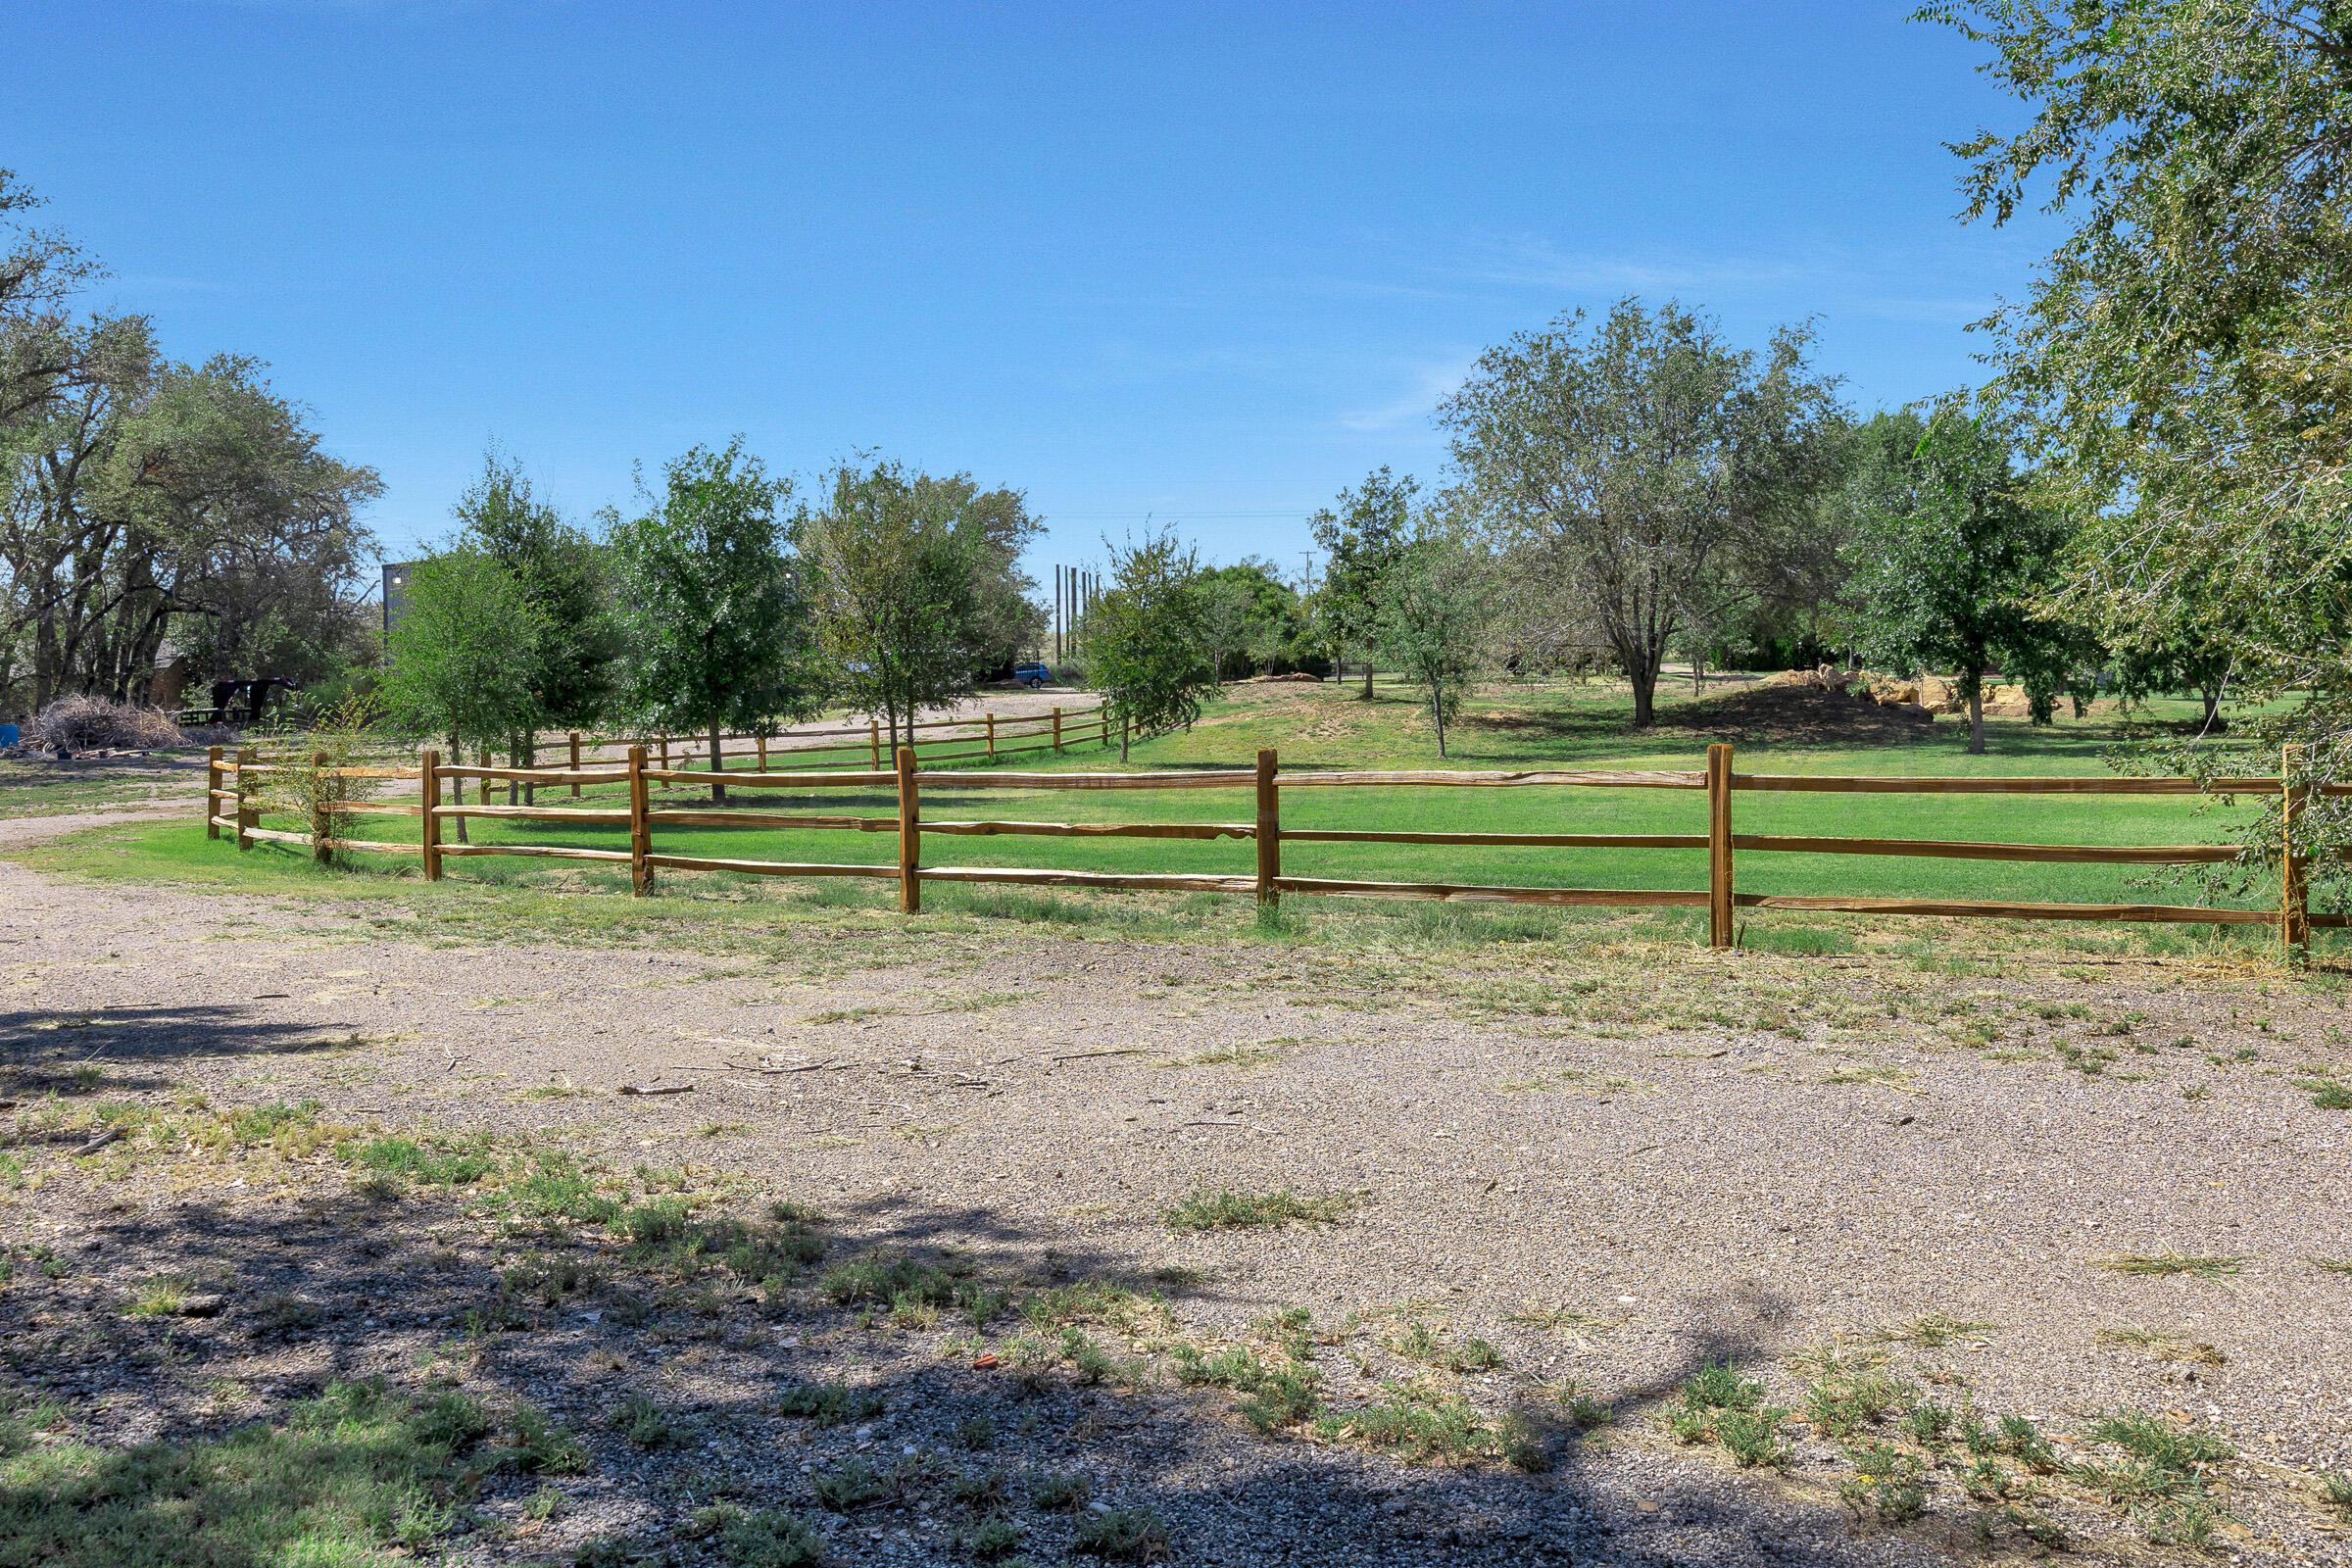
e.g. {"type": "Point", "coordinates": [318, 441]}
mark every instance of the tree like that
{"type": "Point", "coordinates": [1144, 640]}
{"type": "Point", "coordinates": [1265, 628]}
{"type": "Point", "coordinates": [1227, 610]}
{"type": "Point", "coordinates": [713, 618]}
{"type": "Point", "coordinates": [2182, 364]}
{"type": "Point", "coordinates": [461, 654]}
{"type": "Point", "coordinates": [1361, 536]}
{"type": "Point", "coordinates": [908, 577]}
{"type": "Point", "coordinates": [143, 500]}
{"type": "Point", "coordinates": [1639, 468]}
{"type": "Point", "coordinates": [1436, 609]}
{"type": "Point", "coordinates": [1949, 556]}
{"type": "Point", "coordinates": [565, 575]}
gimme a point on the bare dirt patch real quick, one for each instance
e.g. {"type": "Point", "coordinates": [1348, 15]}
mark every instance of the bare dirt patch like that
{"type": "Point", "coordinates": [1520, 1199]}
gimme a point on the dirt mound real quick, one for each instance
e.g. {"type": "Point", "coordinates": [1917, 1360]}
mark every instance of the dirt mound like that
{"type": "Point", "coordinates": [1296, 678]}
{"type": "Point", "coordinates": [1770, 713]}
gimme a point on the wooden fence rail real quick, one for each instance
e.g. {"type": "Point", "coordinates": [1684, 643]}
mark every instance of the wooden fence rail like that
{"type": "Point", "coordinates": [230, 804]}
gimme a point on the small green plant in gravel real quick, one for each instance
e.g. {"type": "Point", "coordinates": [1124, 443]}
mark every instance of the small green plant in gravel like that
{"type": "Point", "coordinates": [1415, 1423]}
{"type": "Point", "coordinates": [984, 1489]}
{"type": "Point", "coordinates": [2161, 1263]}
{"type": "Point", "coordinates": [2328, 1091]}
{"type": "Point", "coordinates": [991, 1539]}
{"type": "Point", "coordinates": [1065, 1493]}
{"type": "Point", "coordinates": [1274, 1396]}
{"type": "Point", "coordinates": [543, 1448]}
{"type": "Point", "coordinates": [2335, 1491]}
{"type": "Point", "coordinates": [2158, 1476]}
{"type": "Point", "coordinates": [1936, 1330]}
{"type": "Point", "coordinates": [1226, 1210]}
{"type": "Point", "coordinates": [427, 1162]}
{"type": "Point", "coordinates": [645, 1423]}
{"type": "Point", "coordinates": [1928, 1424]}
{"type": "Point", "coordinates": [1752, 1437]}
{"type": "Point", "coordinates": [771, 1539]}
{"type": "Point", "coordinates": [890, 1280]}
{"type": "Point", "coordinates": [1888, 1483]}
{"type": "Point", "coordinates": [359, 1474]}
{"type": "Point", "coordinates": [852, 1484]}
{"type": "Point", "coordinates": [1839, 1406]}
{"type": "Point", "coordinates": [1124, 1535]}
{"type": "Point", "coordinates": [1419, 1342]}
{"type": "Point", "coordinates": [828, 1404]}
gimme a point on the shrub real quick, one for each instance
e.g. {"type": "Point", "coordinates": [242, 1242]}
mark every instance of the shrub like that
{"type": "Point", "coordinates": [93, 723]}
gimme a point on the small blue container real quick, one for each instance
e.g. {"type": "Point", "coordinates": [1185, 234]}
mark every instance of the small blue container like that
{"type": "Point", "coordinates": [8, 734]}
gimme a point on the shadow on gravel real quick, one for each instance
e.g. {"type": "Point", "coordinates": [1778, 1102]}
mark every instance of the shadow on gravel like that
{"type": "Point", "coordinates": [117, 1049]}
{"type": "Point", "coordinates": [284, 1299]}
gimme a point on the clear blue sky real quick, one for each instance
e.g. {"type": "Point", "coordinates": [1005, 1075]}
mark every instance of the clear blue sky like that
{"type": "Point", "coordinates": [1203, 263]}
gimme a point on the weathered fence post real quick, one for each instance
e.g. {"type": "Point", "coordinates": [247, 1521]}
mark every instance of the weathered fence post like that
{"type": "Point", "coordinates": [211, 792]}
{"type": "Point", "coordinates": [247, 816]}
{"type": "Point", "coordinates": [320, 855]}
{"type": "Point", "coordinates": [761, 741]}
{"type": "Point", "coordinates": [1269, 833]}
{"type": "Point", "coordinates": [992, 733]}
{"type": "Point", "coordinates": [1719, 845]}
{"type": "Point", "coordinates": [428, 798]}
{"type": "Point", "coordinates": [873, 743]}
{"type": "Point", "coordinates": [1058, 727]}
{"type": "Point", "coordinates": [2294, 894]}
{"type": "Point", "coordinates": [641, 826]}
{"type": "Point", "coordinates": [575, 764]}
{"type": "Point", "coordinates": [910, 836]}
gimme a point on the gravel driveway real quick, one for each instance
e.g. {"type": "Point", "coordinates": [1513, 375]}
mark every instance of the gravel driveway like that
{"type": "Point", "coordinates": [1610, 1209]}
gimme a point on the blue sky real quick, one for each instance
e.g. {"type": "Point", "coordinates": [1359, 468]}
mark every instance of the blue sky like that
{"type": "Point", "coordinates": [1202, 264]}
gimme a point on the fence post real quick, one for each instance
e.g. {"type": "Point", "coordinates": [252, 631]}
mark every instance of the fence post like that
{"type": "Point", "coordinates": [488, 761]}
{"type": "Point", "coordinates": [211, 792]}
{"type": "Point", "coordinates": [641, 826]}
{"type": "Point", "coordinates": [1269, 833]}
{"type": "Point", "coordinates": [992, 734]}
{"type": "Point", "coordinates": [246, 816]}
{"type": "Point", "coordinates": [575, 764]}
{"type": "Point", "coordinates": [2294, 894]}
{"type": "Point", "coordinates": [428, 795]}
{"type": "Point", "coordinates": [910, 836]}
{"type": "Point", "coordinates": [873, 743]}
{"type": "Point", "coordinates": [1058, 727]}
{"type": "Point", "coordinates": [762, 742]}
{"type": "Point", "coordinates": [1719, 845]}
{"type": "Point", "coordinates": [320, 855]}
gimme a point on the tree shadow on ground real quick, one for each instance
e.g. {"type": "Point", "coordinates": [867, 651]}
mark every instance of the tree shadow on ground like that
{"type": "Point", "coordinates": [942, 1427]}
{"type": "Point", "coordinates": [119, 1049]}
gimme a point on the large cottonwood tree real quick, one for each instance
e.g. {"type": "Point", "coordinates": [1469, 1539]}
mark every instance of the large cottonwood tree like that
{"type": "Point", "coordinates": [1640, 468]}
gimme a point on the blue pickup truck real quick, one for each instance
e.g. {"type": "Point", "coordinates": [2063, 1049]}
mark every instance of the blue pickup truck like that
{"type": "Point", "coordinates": [1032, 675]}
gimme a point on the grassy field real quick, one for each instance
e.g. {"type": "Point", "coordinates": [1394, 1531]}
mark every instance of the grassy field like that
{"type": "Point", "coordinates": [1320, 727]}
{"type": "Point", "coordinates": [1774, 730]}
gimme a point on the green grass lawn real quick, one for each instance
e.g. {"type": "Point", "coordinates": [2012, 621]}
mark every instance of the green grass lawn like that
{"type": "Point", "coordinates": [1319, 728]}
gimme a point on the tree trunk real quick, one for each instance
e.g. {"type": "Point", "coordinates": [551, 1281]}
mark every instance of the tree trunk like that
{"type": "Point", "coordinates": [718, 787]}
{"type": "Point", "coordinates": [1698, 674]}
{"type": "Point", "coordinates": [1438, 714]}
{"type": "Point", "coordinates": [1976, 715]}
{"type": "Point", "coordinates": [1368, 677]}
{"type": "Point", "coordinates": [1646, 694]}
{"type": "Point", "coordinates": [457, 755]}
{"type": "Point", "coordinates": [2212, 696]}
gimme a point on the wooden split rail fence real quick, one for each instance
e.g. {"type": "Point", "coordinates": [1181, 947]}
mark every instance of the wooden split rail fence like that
{"type": "Point", "coordinates": [441, 801]}
{"type": "Point", "coordinates": [987, 735]}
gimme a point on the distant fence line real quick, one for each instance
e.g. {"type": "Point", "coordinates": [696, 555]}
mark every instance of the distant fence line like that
{"type": "Point", "coordinates": [642, 773]}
